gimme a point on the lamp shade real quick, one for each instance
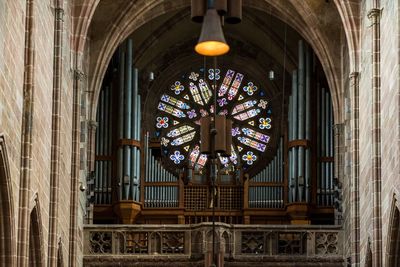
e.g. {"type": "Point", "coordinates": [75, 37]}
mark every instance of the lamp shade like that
{"type": "Point", "coordinates": [212, 41]}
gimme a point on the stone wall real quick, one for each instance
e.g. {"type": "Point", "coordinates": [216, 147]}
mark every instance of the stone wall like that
{"type": "Point", "coordinates": [389, 116]}
{"type": "Point", "coordinates": [12, 43]}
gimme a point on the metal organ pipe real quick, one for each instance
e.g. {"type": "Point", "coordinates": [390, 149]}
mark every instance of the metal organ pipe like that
{"type": "Point", "coordinates": [301, 120]}
{"type": "Point", "coordinates": [331, 146]}
{"type": "Point", "coordinates": [328, 148]}
{"type": "Point", "coordinates": [308, 125]}
{"type": "Point", "coordinates": [110, 137]}
{"type": "Point", "coordinates": [107, 163]}
{"type": "Point", "coordinates": [294, 135]}
{"type": "Point", "coordinates": [97, 165]}
{"type": "Point", "coordinates": [120, 134]}
{"type": "Point", "coordinates": [101, 148]}
{"type": "Point", "coordinates": [128, 116]}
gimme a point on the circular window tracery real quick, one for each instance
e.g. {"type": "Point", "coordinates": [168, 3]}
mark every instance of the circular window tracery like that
{"type": "Point", "coordinates": [191, 97]}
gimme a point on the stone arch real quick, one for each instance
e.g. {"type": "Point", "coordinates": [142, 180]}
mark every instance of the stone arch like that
{"type": "Point", "coordinates": [7, 231]}
{"type": "Point", "coordinates": [155, 243]}
{"type": "Point", "coordinates": [226, 244]}
{"type": "Point", "coordinates": [197, 244]}
{"type": "Point", "coordinates": [393, 247]}
{"type": "Point", "coordinates": [368, 256]}
{"type": "Point", "coordinates": [60, 258]}
{"type": "Point", "coordinates": [301, 16]}
{"type": "Point", "coordinates": [36, 253]}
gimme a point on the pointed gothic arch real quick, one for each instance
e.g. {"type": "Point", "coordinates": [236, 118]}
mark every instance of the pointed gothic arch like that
{"type": "Point", "coordinates": [7, 234]}
{"type": "Point", "coordinates": [36, 258]}
{"type": "Point", "coordinates": [394, 235]}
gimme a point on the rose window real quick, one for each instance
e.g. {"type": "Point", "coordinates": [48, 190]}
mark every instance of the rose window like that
{"type": "Point", "coordinates": [189, 98]}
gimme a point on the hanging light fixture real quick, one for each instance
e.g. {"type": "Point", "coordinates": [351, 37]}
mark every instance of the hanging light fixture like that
{"type": "Point", "coordinates": [212, 41]}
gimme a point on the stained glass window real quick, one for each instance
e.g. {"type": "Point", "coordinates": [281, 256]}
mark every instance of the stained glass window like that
{"type": "Point", "coordinates": [238, 97]}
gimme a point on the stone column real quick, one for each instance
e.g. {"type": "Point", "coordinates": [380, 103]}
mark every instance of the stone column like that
{"type": "Point", "coordinates": [55, 135]}
{"type": "Point", "coordinates": [375, 15]}
{"type": "Point", "coordinates": [26, 139]}
{"type": "Point", "coordinates": [355, 171]}
{"type": "Point", "coordinates": [79, 78]}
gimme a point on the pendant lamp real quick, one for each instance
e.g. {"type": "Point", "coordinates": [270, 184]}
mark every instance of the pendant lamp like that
{"type": "Point", "coordinates": [212, 41]}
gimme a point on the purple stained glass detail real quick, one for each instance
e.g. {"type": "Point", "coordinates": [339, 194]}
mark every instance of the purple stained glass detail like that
{"type": "Point", "coordinates": [251, 143]}
{"type": "Point", "coordinates": [244, 106]}
{"type": "Point", "coordinates": [235, 86]}
{"type": "Point", "coordinates": [222, 102]}
{"type": "Point", "coordinates": [235, 131]}
{"type": "Point", "coordinates": [256, 135]}
{"type": "Point", "coordinates": [192, 114]}
{"type": "Point", "coordinates": [248, 114]}
{"type": "Point", "coordinates": [225, 84]}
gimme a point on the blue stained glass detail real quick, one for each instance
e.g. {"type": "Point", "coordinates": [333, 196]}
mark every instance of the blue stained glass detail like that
{"type": "Point", "coordinates": [211, 74]}
{"type": "Point", "coordinates": [179, 131]}
{"type": "Point", "coordinates": [248, 114]}
{"type": "Point", "coordinates": [244, 106]}
{"type": "Point", "coordinates": [183, 139]}
{"type": "Point", "coordinates": [173, 101]}
{"type": "Point", "coordinates": [249, 157]}
{"type": "Point", "coordinates": [251, 143]}
{"type": "Point", "coordinates": [256, 135]}
{"type": "Point", "coordinates": [265, 123]}
{"type": "Point", "coordinates": [177, 157]}
{"type": "Point", "coordinates": [171, 110]}
{"type": "Point", "coordinates": [177, 87]}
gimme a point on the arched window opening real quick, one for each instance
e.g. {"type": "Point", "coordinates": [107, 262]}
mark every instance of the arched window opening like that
{"type": "Point", "coordinates": [7, 253]}
{"type": "Point", "coordinates": [394, 244]}
{"type": "Point", "coordinates": [35, 243]}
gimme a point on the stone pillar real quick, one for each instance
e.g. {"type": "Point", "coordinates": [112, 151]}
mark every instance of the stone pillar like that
{"type": "Point", "coordinates": [55, 135]}
{"type": "Point", "coordinates": [355, 170]}
{"type": "Point", "coordinates": [26, 139]}
{"type": "Point", "coordinates": [79, 78]}
{"type": "Point", "coordinates": [375, 15]}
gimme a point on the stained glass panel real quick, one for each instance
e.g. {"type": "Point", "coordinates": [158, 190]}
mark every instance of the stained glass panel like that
{"type": "Point", "coordinates": [238, 98]}
{"type": "Point", "coordinates": [180, 130]}
{"type": "Point", "coordinates": [173, 101]}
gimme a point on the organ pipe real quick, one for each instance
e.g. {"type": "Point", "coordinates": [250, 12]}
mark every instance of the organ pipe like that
{"type": "Point", "coordinates": [128, 116]}
{"type": "Point", "coordinates": [301, 120]}
{"type": "Point", "coordinates": [107, 166]}
{"type": "Point", "coordinates": [101, 148]}
{"type": "Point", "coordinates": [120, 133]}
{"type": "Point", "coordinates": [294, 135]}
{"type": "Point", "coordinates": [308, 125]}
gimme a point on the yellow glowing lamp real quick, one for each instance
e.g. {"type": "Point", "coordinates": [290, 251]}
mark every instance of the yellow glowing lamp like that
{"type": "Point", "coordinates": [212, 41]}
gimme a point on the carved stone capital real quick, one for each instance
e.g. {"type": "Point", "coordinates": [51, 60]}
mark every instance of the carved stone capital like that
{"type": "Point", "coordinates": [59, 13]}
{"type": "Point", "coordinates": [374, 14]}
